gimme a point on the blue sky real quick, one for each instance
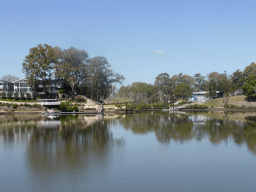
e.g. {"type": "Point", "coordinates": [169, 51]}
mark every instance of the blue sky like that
{"type": "Point", "coordinates": [140, 39]}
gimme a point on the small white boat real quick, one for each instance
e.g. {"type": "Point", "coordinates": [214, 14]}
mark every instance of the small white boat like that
{"type": "Point", "coordinates": [53, 116]}
{"type": "Point", "coordinates": [51, 112]}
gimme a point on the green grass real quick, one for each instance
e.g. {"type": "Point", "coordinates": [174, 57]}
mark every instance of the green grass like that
{"type": "Point", "coordinates": [219, 101]}
{"type": "Point", "coordinates": [13, 100]}
{"type": "Point", "coordinates": [239, 98]}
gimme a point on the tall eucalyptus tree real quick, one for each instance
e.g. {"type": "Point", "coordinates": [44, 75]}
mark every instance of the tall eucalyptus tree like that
{"type": "Point", "coordinates": [71, 67]}
{"type": "Point", "coordinates": [101, 76]}
{"type": "Point", "coordinates": [38, 65]}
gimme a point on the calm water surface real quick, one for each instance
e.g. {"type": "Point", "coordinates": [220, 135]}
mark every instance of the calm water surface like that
{"type": "Point", "coordinates": [140, 152]}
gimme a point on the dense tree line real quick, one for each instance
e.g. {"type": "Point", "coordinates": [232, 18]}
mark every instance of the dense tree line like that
{"type": "Point", "coordinates": [181, 86]}
{"type": "Point", "coordinates": [92, 77]}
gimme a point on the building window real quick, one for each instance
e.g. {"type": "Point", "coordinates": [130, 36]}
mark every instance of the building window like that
{"type": "Point", "coordinates": [23, 85]}
{"type": "Point", "coordinates": [23, 90]}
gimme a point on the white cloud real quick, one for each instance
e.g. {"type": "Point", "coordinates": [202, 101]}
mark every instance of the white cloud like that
{"type": "Point", "coordinates": [159, 52]}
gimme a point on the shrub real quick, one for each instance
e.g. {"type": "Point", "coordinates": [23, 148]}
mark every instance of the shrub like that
{"type": "Point", "coordinates": [119, 106]}
{"type": "Point", "coordinates": [28, 96]}
{"type": "Point", "coordinates": [80, 99]}
{"type": "Point", "coordinates": [8, 104]}
{"type": "Point", "coordinates": [16, 96]}
{"type": "Point", "coordinates": [62, 106]}
{"type": "Point", "coordinates": [27, 105]}
{"type": "Point", "coordinates": [3, 95]}
{"type": "Point", "coordinates": [62, 91]}
{"type": "Point", "coordinates": [22, 97]}
{"type": "Point", "coordinates": [196, 106]}
{"type": "Point", "coordinates": [74, 108]}
{"type": "Point", "coordinates": [21, 104]}
{"type": "Point", "coordinates": [35, 105]}
{"type": "Point", "coordinates": [9, 95]}
{"type": "Point", "coordinates": [34, 96]}
{"type": "Point", "coordinates": [14, 106]}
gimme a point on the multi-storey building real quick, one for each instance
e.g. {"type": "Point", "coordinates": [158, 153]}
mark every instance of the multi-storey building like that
{"type": "Point", "coordinates": [21, 86]}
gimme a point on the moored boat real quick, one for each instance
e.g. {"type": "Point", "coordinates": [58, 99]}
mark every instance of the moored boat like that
{"type": "Point", "coordinates": [51, 112]}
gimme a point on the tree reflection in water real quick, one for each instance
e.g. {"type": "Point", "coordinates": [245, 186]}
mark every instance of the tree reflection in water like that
{"type": "Point", "coordinates": [181, 127]}
{"type": "Point", "coordinates": [74, 144]}
{"type": "Point", "coordinates": [82, 142]}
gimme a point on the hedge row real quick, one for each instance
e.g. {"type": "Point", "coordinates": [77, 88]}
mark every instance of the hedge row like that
{"type": "Point", "coordinates": [9, 95]}
{"type": "Point", "coordinates": [17, 105]}
{"type": "Point", "coordinates": [196, 106]}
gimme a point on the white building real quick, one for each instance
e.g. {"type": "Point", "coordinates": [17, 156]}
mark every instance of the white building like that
{"type": "Point", "coordinates": [201, 96]}
{"type": "Point", "coordinates": [21, 86]}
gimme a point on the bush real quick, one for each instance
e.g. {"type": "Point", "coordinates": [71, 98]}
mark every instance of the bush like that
{"type": "Point", "coordinates": [34, 96]}
{"type": "Point", "coordinates": [28, 96]}
{"type": "Point", "coordinates": [9, 95]}
{"type": "Point", "coordinates": [196, 106]}
{"type": "Point", "coordinates": [74, 108]}
{"type": "Point", "coordinates": [119, 106]}
{"type": "Point", "coordinates": [8, 104]}
{"type": "Point", "coordinates": [35, 105]}
{"type": "Point", "coordinates": [3, 95]}
{"type": "Point", "coordinates": [80, 99]}
{"type": "Point", "coordinates": [62, 91]}
{"type": "Point", "coordinates": [21, 104]}
{"type": "Point", "coordinates": [22, 97]}
{"type": "Point", "coordinates": [27, 105]}
{"type": "Point", "coordinates": [62, 106]}
{"type": "Point", "coordinates": [14, 106]}
{"type": "Point", "coordinates": [16, 96]}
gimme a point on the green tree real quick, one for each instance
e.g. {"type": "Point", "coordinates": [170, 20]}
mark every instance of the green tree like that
{"type": "Point", "coordinates": [183, 90]}
{"type": "Point", "coordinates": [224, 85]}
{"type": "Point", "coordinates": [213, 76]}
{"type": "Point", "coordinates": [38, 65]}
{"type": "Point", "coordinates": [101, 77]}
{"type": "Point", "coordinates": [238, 79]}
{"type": "Point", "coordinates": [212, 88]}
{"type": "Point", "coordinates": [249, 87]}
{"type": "Point", "coordinates": [71, 66]}
{"type": "Point", "coordinates": [199, 81]}
{"type": "Point", "coordinates": [250, 70]}
{"type": "Point", "coordinates": [164, 85]}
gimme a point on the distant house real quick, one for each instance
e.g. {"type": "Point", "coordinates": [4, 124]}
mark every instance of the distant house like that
{"type": "Point", "coordinates": [21, 86]}
{"type": "Point", "coordinates": [201, 96]}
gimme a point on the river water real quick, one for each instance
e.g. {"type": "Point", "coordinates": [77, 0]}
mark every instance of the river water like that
{"type": "Point", "coordinates": [138, 152]}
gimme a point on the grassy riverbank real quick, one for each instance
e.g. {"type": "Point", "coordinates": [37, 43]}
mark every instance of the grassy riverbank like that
{"type": "Point", "coordinates": [218, 102]}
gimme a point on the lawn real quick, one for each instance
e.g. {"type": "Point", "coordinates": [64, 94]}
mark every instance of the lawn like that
{"type": "Point", "coordinates": [218, 102]}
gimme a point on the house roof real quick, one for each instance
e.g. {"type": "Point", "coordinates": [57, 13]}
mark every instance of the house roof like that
{"type": "Point", "coordinates": [20, 80]}
{"type": "Point", "coordinates": [202, 92]}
